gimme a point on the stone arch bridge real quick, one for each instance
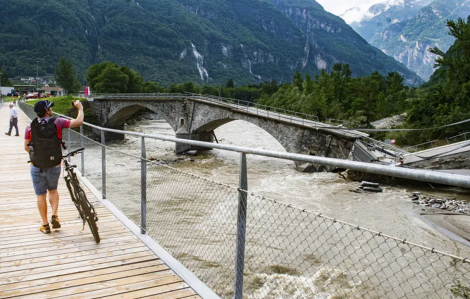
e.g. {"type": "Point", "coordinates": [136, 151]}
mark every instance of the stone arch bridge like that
{"type": "Point", "coordinates": [196, 117]}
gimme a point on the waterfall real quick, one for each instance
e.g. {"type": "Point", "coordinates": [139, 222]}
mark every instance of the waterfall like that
{"type": "Point", "coordinates": [200, 63]}
{"type": "Point", "coordinates": [249, 68]}
{"type": "Point", "coordinates": [249, 63]}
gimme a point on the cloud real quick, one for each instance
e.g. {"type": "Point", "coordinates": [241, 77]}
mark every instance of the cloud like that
{"type": "Point", "coordinates": [338, 7]}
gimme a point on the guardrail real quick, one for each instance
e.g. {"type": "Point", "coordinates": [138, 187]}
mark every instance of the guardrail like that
{"type": "Point", "coordinates": [456, 136]}
{"type": "Point", "coordinates": [415, 147]}
{"type": "Point", "coordinates": [234, 240]}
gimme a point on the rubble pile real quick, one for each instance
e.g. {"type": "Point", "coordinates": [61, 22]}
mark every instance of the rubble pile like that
{"type": "Point", "coordinates": [451, 205]}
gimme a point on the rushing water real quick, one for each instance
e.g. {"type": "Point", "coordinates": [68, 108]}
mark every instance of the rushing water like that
{"type": "Point", "coordinates": [390, 212]}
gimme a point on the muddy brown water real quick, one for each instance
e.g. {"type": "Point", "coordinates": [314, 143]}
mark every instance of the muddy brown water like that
{"type": "Point", "coordinates": [390, 212]}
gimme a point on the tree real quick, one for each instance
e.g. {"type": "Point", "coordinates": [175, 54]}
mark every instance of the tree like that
{"type": "Point", "coordinates": [308, 84]}
{"type": "Point", "coordinates": [229, 84]}
{"type": "Point", "coordinates": [66, 77]}
{"type": "Point", "coordinates": [151, 87]}
{"type": "Point", "coordinates": [136, 81]}
{"type": "Point", "coordinates": [112, 80]}
{"type": "Point", "coordinates": [94, 72]}
{"type": "Point", "coordinates": [109, 77]}
{"type": "Point", "coordinates": [4, 79]}
{"type": "Point", "coordinates": [298, 81]}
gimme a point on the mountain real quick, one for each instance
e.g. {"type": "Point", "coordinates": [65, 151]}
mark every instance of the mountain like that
{"type": "Point", "coordinates": [408, 30]}
{"type": "Point", "coordinates": [381, 15]}
{"type": "Point", "coordinates": [172, 41]}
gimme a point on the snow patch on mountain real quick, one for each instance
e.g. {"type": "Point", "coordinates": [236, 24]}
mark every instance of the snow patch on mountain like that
{"type": "Point", "coordinates": [358, 14]}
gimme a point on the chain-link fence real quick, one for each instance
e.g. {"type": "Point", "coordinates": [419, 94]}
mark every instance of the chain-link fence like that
{"type": "Point", "coordinates": [289, 252]}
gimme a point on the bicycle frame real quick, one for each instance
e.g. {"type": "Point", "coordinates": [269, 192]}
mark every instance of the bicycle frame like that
{"type": "Point", "coordinates": [84, 207]}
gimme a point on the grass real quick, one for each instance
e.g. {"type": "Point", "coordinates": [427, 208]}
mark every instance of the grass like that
{"type": "Point", "coordinates": [62, 105]}
{"type": "Point", "coordinates": [8, 99]}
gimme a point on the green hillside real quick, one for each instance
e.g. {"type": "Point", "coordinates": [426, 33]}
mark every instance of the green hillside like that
{"type": "Point", "coordinates": [247, 40]}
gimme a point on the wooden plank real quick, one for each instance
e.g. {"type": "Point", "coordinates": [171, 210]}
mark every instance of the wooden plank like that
{"type": "Point", "coordinates": [35, 276]}
{"type": "Point", "coordinates": [24, 259]}
{"type": "Point", "coordinates": [20, 266]}
{"type": "Point", "coordinates": [118, 242]}
{"type": "Point", "coordinates": [89, 243]}
{"type": "Point", "coordinates": [85, 274]}
{"type": "Point", "coordinates": [57, 242]}
{"type": "Point", "coordinates": [79, 264]}
{"type": "Point", "coordinates": [108, 288]}
{"type": "Point", "coordinates": [170, 294]}
{"type": "Point", "coordinates": [162, 269]}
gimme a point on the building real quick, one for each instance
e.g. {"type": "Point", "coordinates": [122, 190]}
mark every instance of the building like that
{"type": "Point", "coordinates": [24, 88]}
{"type": "Point", "coordinates": [5, 90]}
{"type": "Point", "coordinates": [52, 91]}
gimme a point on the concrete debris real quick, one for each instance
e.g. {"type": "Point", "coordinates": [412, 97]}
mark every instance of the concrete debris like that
{"type": "Point", "coordinates": [190, 153]}
{"type": "Point", "coordinates": [368, 187]}
{"type": "Point", "coordinates": [451, 205]}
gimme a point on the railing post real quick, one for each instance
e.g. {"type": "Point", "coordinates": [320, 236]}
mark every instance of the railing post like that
{"type": "Point", "coordinates": [143, 188]}
{"type": "Point", "coordinates": [103, 165]}
{"type": "Point", "coordinates": [68, 142]}
{"type": "Point", "coordinates": [241, 228]}
{"type": "Point", "coordinates": [82, 145]}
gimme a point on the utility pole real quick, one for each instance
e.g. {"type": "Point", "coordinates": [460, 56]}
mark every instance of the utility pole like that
{"type": "Point", "coordinates": [37, 78]}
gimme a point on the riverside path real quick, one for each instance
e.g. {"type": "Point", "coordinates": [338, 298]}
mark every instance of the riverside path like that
{"type": "Point", "coordinates": [68, 263]}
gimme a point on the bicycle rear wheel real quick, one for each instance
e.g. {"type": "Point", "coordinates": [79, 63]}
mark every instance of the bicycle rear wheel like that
{"type": "Point", "coordinates": [89, 215]}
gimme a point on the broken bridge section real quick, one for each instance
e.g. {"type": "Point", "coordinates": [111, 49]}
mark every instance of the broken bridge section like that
{"type": "Point", "coordinates": [196, 118]}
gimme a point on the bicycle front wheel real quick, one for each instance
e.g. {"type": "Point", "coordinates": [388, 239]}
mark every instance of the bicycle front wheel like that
{"type": "Point", "coordinates": [89, 215]}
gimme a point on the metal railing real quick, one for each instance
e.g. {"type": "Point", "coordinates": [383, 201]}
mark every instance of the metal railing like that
{"type": "Point", "coordinates": [437, 143]}
{"type": "Point", "coordinates": [457, 136]}
{"type": "Point", "coordinates": [421, 145]}
{"type": "Point", "coordinates": [245, 245]}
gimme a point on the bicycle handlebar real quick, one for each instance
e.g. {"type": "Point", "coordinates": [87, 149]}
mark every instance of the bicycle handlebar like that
{"type": "Point", "coordinates": [71, 154]}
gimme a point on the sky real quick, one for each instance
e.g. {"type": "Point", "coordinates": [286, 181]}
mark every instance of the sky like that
{"type": "Point", "coordinates": [338, 7]}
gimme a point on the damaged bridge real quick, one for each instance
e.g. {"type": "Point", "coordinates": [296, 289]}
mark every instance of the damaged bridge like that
{"type": "Point", "coordinates": [196, 117]}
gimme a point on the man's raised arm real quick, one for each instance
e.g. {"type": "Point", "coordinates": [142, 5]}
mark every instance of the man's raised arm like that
{"type": "Point", "coordinates": [79, 120]}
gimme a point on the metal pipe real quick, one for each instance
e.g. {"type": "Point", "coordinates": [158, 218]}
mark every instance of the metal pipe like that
{"type": "Point", "coordinates": [241, 228]}
{"type": "Point", "coordinates": [82, 145]}
{"type": "Point", "coordinates": [103, 164]}
{"type": "Point", "coordinates": [143, 187]}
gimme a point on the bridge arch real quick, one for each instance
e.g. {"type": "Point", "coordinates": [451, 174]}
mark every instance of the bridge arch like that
{"type": "Point", "coordinates": [118, 115]}
{"type": "Point", "coordinates": [212, 125]}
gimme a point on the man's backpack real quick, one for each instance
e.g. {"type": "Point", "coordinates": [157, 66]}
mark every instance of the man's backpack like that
{"type": "Point", "coordinates": [46, 143]}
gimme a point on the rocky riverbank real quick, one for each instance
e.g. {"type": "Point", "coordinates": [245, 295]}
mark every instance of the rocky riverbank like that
{"type": "Point", "coordinates": [450, 205]}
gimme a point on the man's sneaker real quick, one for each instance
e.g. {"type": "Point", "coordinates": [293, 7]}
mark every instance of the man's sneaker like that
{"type": "Point", "coordinates": [55, 222]}
{"type": "Point", "coordinates": [7, 134]}
{"type": "Point", "coordinates": [45, 229]}
{"type": "Point", "coordinates": [17, 135]}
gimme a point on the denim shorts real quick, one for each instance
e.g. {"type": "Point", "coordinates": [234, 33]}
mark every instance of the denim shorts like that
{"type": "Point", "coordinates": [46, 180]}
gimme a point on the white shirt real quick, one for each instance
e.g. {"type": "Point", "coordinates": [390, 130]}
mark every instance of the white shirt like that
{"type": "Point", "coordinates": [13, 113]}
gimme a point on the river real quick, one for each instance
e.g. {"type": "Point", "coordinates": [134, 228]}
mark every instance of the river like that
{"type": "Point", "coordinates": [390, 212]}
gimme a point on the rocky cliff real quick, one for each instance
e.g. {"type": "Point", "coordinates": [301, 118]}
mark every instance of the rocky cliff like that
{"type": "Point", "coordinates": [406, 33]}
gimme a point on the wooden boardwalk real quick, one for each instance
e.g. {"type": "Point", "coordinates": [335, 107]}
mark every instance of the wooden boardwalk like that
{"type": "Point", "coordinates": [68, 263]}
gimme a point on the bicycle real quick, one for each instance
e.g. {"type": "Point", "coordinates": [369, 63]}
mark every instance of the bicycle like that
{"type": "Point", "coordinates": [85, 208]}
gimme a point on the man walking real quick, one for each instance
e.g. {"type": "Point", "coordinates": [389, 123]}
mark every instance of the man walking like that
{"type": "Point", "coordinates": [45, 134]}
{"type": "Point", "coordinates": [13, 120]}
